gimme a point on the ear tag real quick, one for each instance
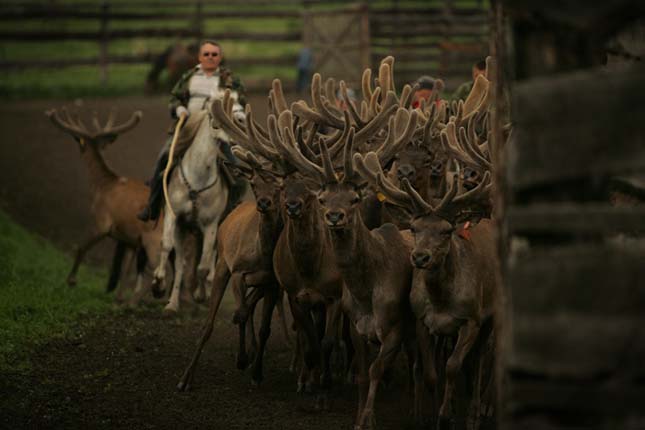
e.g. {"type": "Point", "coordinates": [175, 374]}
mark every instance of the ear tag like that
{"type": "Point", "coordinates": [381, 198]}
{"type": "Point", "coordinates": [82, 141]}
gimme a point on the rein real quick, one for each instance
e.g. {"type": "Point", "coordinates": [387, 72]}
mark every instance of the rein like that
{"type": "Point", "coordinates": [193, 193]}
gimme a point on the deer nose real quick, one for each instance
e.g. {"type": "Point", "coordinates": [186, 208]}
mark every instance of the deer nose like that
{"type": "Point", "coordinates": [333, 218]}
{"type": "Point", "coordinates": [294, 208]}
{"type": "Point", "coordinates": [420, 259]}
{"type": "Point", "coordinates": [263, 204]}
{"type": "Point", "coordinates": [405, 171]}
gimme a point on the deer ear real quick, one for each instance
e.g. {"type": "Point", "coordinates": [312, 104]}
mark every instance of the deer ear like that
{"type": "Point", "coordinates": [241, 171]}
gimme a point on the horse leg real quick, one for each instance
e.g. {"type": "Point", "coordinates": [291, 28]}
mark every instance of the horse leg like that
{"type": "Point", "coordinates": [80, 253]}
{"type": "Point", "coordinates": [222, 275]}
{"type": "Point", "coordinates": [180, 263]}
{"type": "Point", "coordinates": [167, 245]}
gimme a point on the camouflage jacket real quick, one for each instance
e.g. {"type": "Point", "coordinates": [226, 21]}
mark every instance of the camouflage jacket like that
{"type": "Point", "coordinates": [462, 91]}
{"type": "Point", "coordinates": [180, 95]}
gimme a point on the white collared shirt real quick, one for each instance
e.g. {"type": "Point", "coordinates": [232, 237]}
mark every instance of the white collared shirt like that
{"type": "Point", "coordinates": [200, 88]}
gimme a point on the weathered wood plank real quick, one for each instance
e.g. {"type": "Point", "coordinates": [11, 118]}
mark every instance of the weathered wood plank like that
{"type": "Point", "coordinates": [575, 219]}
{"type": "Point", "coordinates": [577, 345]}
{"type": "Point", "coordinates": [555, 405]}
{"type": "Point", "coordinates": [604, 278]}
{"type": "Point", "coordinates": [577, 125]}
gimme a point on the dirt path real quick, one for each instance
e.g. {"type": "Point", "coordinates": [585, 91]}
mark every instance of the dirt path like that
{"type": "Point", "coordinates": [43, 183]}
{"type": "Point", "coordinates": [120, 372]}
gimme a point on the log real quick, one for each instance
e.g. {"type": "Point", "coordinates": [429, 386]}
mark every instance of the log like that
{"type": "Point", "coordinates": [579, 125]}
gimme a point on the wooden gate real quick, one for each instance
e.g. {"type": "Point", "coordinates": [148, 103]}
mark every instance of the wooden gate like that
{"type": "Point", "coordinates": [340, 41]}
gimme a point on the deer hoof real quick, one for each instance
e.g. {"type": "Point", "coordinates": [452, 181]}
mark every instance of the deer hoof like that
{"type": "Point", "coordinates": [242, 361]}
{"type": "Point", "coordinates": [199, 296]}
{"type": "Point", "coordinates": [71, 281]}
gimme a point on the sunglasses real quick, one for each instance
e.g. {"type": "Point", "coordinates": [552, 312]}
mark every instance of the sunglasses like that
{"type": "Point", "coordinates": [210, 54]}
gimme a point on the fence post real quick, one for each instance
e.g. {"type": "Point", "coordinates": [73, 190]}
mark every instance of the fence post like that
{"type": "Point", "coordinates": [444, 54]}
{"type": "Point", "coordinates": [199, 20]}
{"type": "Point", "coordinates": [104, 42]}
{"type": "Point", "coordinates": [365, 55]}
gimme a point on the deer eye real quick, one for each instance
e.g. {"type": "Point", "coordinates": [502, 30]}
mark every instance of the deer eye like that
{"type": "Point", "coordinates": [355, 200]}
{"type": "Point", "coordinates": [321, 200]}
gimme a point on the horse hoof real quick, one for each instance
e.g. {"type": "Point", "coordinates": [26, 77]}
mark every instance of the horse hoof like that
{"type": "Point", "coordinates": [170, 310]}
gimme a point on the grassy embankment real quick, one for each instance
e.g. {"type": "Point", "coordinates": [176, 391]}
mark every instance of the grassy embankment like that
{"type": "Point", "coordinates": [35, 302]}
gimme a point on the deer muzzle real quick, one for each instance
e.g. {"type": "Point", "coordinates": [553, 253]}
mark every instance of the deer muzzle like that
{"type": "Point", "coordinates": [420, 259]}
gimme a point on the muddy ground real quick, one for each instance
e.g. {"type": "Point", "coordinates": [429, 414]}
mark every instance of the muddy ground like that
{"type": "Point", "coordinates": [120, 371]}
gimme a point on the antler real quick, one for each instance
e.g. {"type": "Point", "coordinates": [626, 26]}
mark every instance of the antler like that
{"type": "Point", "coordinates": [451, 207]}
{"type": "Point", "coordinates": [75, 126]}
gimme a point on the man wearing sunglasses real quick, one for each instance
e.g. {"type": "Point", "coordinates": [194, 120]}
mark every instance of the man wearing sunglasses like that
{"type": "Point", "coordinates": [191, 94]}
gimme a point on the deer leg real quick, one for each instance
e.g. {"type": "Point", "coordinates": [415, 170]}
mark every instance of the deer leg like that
{"type": "Point", "coordinates": [311, 350]}
{"type": "Point", "coordinates": [466, 339]}
{"type": "Point", "coordinates": [330, 340]}
{"type": "Point", "coordinates": [270, 299]}
{"type": "Point", "coordinates": [254, 299]}
{"type": "Point", "coordinates": [360, 359]}
{"type": "Point", "coordinates": [296, 359]}
{"type": "Point", "coordinates": [180, 264]}
{"type": "Point", "coordinates": [283, 319]}
{"type": "Point", "coordinates": [222, 275]}
{"type": "Point", "coordinates": [139, 291]}
{"type": "Point", "coordinates": [207, 260]}
{"type": "Point", "coordinates": [80, 253]}
{"type": "Point", "coordinates": [117, 265]}
{"type": "Point", "coordinates": [387, 353]}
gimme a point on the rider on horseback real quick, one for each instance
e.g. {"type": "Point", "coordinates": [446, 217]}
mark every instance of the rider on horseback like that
{"type": "Point", "coordinates": [191, 95]}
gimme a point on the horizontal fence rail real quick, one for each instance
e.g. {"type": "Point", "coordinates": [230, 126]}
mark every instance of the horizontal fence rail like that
{"type": "Point", "coordinates": [442, 38]}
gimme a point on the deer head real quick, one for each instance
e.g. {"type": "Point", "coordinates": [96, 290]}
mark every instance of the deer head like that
{"type": "Point", "coordinates": [101, 136]}
{"type": "Point", "coordinates": [433, 227]}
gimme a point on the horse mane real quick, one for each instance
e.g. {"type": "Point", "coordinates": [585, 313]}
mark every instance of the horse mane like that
{"type": "Point", "coordinates": [190, 128]}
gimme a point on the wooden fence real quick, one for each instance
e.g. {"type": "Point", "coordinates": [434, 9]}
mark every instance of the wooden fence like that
{"type": "Point", "coordinates": [440, 39]}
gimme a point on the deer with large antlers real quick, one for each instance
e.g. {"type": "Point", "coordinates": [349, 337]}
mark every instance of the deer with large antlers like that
{"type": "Point", "coordinates": [115, 199]}
{"type": "Point", "coordinates": [455, 285]}
{"type": "Point", "coordinates": [373, 264]}
{"type": "Point", "coordinates": [246, 242]}
{"type": "Point", "coordinates": [303, 260]}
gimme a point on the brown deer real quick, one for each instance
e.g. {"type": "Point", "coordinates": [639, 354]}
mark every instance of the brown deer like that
{"type": "Point", "coordinates": [455, 284]}
{"type": "Point", "coordinates": [245, 245]}
{"type": "Point", "coordinates": [303, 260]}
{"type": "Point", "coordinates": [115, 199]}
{"type": "Point", "coordinates": [373, 264]}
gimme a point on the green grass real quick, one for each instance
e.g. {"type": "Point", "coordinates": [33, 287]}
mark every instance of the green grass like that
{"type": "Point", "coordinates": [35, 302]}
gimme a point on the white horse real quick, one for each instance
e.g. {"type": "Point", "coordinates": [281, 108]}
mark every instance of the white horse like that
{"type": "Point", "coordinates": [197, 197]}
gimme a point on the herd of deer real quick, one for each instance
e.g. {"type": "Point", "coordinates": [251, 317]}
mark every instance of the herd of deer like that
{"type": "Point", "coordinates": [377, 229]}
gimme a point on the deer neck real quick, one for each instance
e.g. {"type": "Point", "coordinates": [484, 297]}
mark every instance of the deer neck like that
{"type": "Point", "coordinates": [271, 226]}
{"type": "Point", "coordinates": [357, 253]}
{"type": "Point", "coordinates": [439, 282]}
{"type": "Point", "coordinates": [100, 173]}
{"type": "Point", "coordinates": [306, 238]}
{"type": "Point", "coordinates": [436, 187]}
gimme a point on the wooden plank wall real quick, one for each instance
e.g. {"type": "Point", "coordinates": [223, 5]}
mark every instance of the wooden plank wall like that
{"type": "Point", "coordinates": [575, 273]}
